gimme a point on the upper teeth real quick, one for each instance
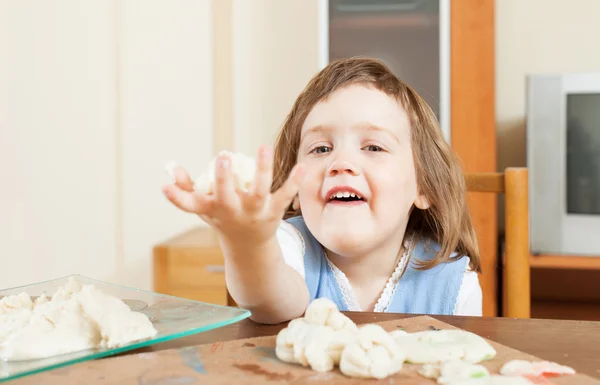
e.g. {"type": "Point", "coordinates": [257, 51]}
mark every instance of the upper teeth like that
{"type": "Point", "coordinates": [344, 194]}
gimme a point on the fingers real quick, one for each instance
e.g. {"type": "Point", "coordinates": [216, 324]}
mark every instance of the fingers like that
{"type": "Point", "coordinates": [287, 192]}
{"type": "Point", "coordinates": [182, 179]}
{"type": "Point", "coordinates": [224, 191]}
{"type": "Point", "coordinates": [261, 186]}
{"type": "Point", "coordinates": [187, 201]}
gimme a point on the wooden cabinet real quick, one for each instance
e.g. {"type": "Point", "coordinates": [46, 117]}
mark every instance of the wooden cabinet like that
{"type": "Point", "coordinates": [191, 266]}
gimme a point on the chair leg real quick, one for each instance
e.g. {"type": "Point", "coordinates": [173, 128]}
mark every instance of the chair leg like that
{"type": "Point", "coordinates": [516, 272]}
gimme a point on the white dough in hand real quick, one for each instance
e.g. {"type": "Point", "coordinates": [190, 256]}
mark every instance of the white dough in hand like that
{"type": "Point", "coordinates": [243, 169]}
{"type": "Point", "coordinates": [374, 355]}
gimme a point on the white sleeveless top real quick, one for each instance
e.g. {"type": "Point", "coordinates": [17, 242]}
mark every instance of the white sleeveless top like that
{"type": "Point", "coordinates": [469, 301]}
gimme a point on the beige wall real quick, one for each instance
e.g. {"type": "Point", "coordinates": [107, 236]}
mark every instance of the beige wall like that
{"type": "Point", "coordinates": [537, 36]}
{"type": "Point", "coordinates": [274, 57]}
{"type": "Point", "coordinates": [96, 96]}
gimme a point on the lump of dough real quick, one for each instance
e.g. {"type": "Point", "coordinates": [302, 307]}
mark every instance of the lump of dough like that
{"type": "Point", "coordinates": [116, 322]}
{"type": "Point", "coordinates": [317, 346]}
{"type": "Point", "coordinates": [434, 346]}
{"type": "Point", "coordinates": [537, 368]}
{"type": "Point", "coordinates": [65, 292]}
{"type": "Point", "coordinates": [19, 301]}
{"type": "Point", "coordinates": [373, 355]}
{"type": "Point", "coordinates": [305, 344]}
{"type": "Point", "coordinates": [452, 371]}
{"type": "Point", "coordinates": [57, 328]}
{"type": "Point", "coordinates": [243, 169]}
{"type": "Point", "coordinates": [323, 311]}
{"type": "Point", "coordinates": [494, 380]}
{"type": "Point", "coordinates": [77, 317]}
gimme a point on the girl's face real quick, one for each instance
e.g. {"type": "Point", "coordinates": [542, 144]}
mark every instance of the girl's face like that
{"type": "Point", "coordinates": [360, 182]}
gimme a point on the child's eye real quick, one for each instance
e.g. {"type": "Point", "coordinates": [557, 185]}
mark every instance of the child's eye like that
{"type": "Point", "coordinates": [320, 150]}
{"type": "Point", "coordinates": [373, 148]}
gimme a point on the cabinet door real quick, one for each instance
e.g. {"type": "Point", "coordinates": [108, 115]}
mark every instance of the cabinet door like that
{"type": "Point", "coordinates": [411, 36]}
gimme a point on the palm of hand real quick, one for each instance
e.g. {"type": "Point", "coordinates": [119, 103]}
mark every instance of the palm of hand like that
{"type": "Point", "coordinates": [243, 217]}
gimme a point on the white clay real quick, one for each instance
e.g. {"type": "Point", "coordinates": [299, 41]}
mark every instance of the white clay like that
{"type": "Point", "coordinates": [443, 345]}
{"type": "Point", "coordinates": [453, 371]}
{"type": "Point", "coordinates": [78, 317]}
{"type": "Point", "coordinates": [374, 355]}
{"type": "Point", "coordinates": [494, 380]}
{"type": "Point", "coordinates": [318, 339]}
{"type": "Point", "coordinates": [537, 368]}
{"type": "Point", "coordinates": [323, 311]}
{"type": "Point", "coordinates": [243, 169]}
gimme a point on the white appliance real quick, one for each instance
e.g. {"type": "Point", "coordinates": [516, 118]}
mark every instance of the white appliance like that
{"type": "Point", "coordinates": [563, 157]}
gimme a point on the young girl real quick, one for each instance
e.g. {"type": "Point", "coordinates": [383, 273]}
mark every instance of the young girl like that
{"type": "Point", "coordinates": [361, 202]}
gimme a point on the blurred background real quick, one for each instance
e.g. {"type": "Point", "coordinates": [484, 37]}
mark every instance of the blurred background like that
{"type": "Point", "coordinates": [97, 96]}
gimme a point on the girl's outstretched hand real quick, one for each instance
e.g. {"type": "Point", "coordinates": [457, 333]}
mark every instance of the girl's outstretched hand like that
{"type": "Point", "coordinates": [239, 217]}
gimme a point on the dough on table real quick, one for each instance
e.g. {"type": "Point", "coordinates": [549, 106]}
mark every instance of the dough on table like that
{"type": "Point", "coordinates": [494, 379]}
{"type": "Point", "coordinates": [452, 371]}
{"type": "Point", "coordinates": [323, 311]}
{"type": "Point", "coordinates": [535, 368]}
{"type": "Point", "coordinates": [435, 346]}
{"type": "Point", "coordinates": [77, 317]}
{"type": "Point", "coordinates": [374, 354]}
{"type": "Point", "coordinates": [318, 339]}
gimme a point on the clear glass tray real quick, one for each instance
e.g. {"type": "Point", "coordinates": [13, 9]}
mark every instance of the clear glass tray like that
{"type": "Point", "coordinates": [173, 317]}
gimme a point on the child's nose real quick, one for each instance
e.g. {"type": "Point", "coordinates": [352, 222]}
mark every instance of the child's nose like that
{"type": "Point", "coordinates": [341, 166]}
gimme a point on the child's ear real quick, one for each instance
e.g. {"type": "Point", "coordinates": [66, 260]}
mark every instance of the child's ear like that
{"type": "Point", "coordinates": [296, 203]}
{"type": "Point", "coordinates": [421, 202]}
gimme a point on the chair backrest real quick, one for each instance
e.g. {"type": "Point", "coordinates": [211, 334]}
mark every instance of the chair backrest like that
{"type": "Point", "coordinates": [513, 183]}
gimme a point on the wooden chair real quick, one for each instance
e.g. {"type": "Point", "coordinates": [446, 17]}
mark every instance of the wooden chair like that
{"type": "Point", "coordinates": [513, 183]}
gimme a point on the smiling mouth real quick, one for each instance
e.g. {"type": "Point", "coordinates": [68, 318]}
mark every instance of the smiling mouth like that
{"type": "Point", "coordinates": [345, 197]}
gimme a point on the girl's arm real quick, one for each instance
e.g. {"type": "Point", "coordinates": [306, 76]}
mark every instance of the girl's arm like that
{"type": "Point", "coordinates": [259, 279]}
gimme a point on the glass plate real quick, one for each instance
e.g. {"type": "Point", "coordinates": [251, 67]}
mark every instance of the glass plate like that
{"type": "Point", "coordinates": [173, 317]}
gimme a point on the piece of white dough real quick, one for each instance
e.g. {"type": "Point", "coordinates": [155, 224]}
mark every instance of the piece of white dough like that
{"type": "Point", "coordinates": [533, 368]}
{"type": "Point", "coordinates": [374, 355]}
{"type": "Point", "coordinates": [452, 371]}
{"type": "Point", "coordinates": [77, 317]}
{"type": "Point", "coordinates": [243, 169]}
{"type": "Point", "coordinates": [323, 311]}
{"type": "Point", "coordinates": [435, 346]}
{"type": "Point", "coordinates": [494, 380]}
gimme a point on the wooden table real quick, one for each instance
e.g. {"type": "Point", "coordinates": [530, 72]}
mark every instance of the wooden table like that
{"type": "Point", "coordinates": [572, 343]}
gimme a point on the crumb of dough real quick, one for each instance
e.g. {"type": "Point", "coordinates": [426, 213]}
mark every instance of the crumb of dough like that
{"type": "Point", "coordinates": [77, 317]}
{"type": "Point", "coordinates": [453, 371]}
{"type": "Point", "coordinates": [494, 379]}
{"type": "Point", "coordinates": [534, 368]}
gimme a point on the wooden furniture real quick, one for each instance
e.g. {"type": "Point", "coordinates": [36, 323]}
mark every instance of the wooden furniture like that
{"type": "Point", "coordinates": [513, 184]}
{"type": "Point", "coordinates": [473, 123]}
{"type": "Point", "coordinates": [191, 266]}
{"type": "Point", "coordinates": [572, 343]}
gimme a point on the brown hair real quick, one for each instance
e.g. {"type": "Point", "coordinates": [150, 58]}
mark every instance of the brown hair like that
{"type": "Point", "coordinates": [438, 172]}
